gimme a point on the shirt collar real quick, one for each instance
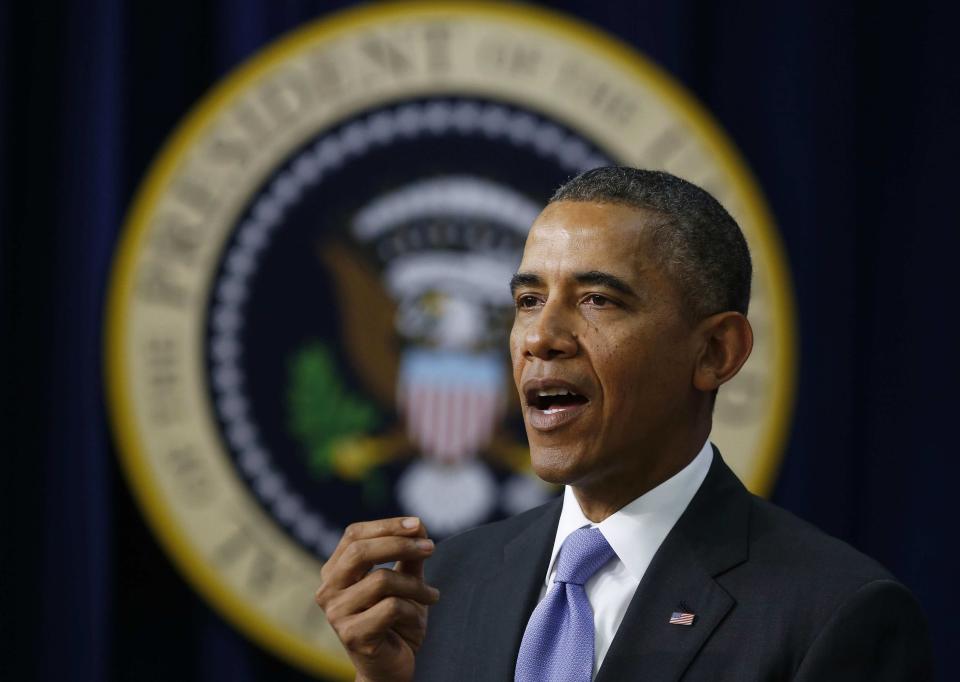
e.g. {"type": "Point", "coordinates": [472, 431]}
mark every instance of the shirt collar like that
{"type": "Point", "coordinates": [636, 531]}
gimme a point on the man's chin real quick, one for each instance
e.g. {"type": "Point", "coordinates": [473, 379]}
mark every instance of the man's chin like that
{"type": "Point", "coordinates": [558, 466]}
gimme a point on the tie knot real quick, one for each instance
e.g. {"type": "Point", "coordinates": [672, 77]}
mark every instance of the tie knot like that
{"type": "Point", "coordinates": [582, 554]}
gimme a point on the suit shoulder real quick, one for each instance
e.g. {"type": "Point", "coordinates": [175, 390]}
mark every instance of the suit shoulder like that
{"type": "Point", "coordinates": [847, 646]}
{"type": "Point", "coordinates": [803, 595]}
{"type": "Point", "coordinates": [779, 538]}
{"type": "Point", "coordinates": [800, 572]}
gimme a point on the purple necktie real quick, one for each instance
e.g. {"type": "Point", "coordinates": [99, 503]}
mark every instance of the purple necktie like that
{"type": "Point", "coordinates": [558, 642]}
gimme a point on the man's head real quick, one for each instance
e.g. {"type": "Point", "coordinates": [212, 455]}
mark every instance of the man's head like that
{"type": "Point", "coordinates": [697, 241]}
{"type": "Point", "coordinates": [628, 320]}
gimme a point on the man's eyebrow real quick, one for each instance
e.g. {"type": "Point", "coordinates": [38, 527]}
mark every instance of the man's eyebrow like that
{"type": "Point", "coordinates": [604, 279]}
{"type": "Point", "coordinates": [524, 279]}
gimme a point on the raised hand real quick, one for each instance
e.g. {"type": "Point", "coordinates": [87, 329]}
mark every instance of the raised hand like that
{"type": "Point", "coordinates": [379, 615]}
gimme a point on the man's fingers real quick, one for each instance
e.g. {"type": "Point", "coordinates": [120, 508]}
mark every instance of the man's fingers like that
{"type": "Point", "coordinates": [363, 633]}
{"type": "Point", "coordinates": [379, 585]}
{"type": "Point", "coordinates": [406, 526]}
{"type": "Point", "coordinates": [380, 617]}
{"type": "Point", "coordinates": [360, 556]}
{"type": "Point", "coordinates": [411, 567]}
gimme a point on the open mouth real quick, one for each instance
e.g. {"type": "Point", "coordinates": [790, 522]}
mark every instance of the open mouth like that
{"type": "Point", "coordinates": [553, 403]}
{"type": "Point", "coordinates": [552, 400]}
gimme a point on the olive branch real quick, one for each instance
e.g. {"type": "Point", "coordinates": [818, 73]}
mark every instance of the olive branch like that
{"type": "Point", "coordinates": [324, 412]}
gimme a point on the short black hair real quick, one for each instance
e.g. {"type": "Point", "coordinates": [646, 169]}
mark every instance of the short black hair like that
{"type": "Point", "coordinates": [698, 241]}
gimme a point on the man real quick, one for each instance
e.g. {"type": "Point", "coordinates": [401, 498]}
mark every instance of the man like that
{"type": "Point", "coordinates": [631, 302]}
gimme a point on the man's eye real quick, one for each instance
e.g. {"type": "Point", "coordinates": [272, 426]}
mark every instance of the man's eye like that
{"type": "Point", "coordinates": [526, 301]}
{"type": "Point", "coordinates": [598, 301]}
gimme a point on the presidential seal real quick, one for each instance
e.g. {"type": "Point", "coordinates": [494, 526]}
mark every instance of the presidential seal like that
{"type": "Point", "coordinates": [309, 307]}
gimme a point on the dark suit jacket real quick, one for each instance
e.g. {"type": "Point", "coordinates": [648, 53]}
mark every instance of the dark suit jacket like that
{"type": "Point", "coordinates": [774, 598]}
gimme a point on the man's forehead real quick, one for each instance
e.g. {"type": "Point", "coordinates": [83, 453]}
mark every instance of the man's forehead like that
{"type": "Point", "coordinates": [586, 236]}
{"type": "Point", "coordinates": [597, 213]}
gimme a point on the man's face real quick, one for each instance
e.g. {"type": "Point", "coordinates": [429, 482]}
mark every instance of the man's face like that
{"type": "Point", "coordinates": [602, 355]}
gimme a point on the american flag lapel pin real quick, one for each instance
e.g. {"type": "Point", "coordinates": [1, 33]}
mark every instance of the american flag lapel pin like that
{"type": "Point", "coordinates": [682, 616]}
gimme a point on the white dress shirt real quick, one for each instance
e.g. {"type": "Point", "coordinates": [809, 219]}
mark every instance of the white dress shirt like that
{"type": "Point", "coordinates": [635, 533]}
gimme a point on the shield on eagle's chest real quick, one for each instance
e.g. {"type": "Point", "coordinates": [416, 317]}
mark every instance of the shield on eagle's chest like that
{"type": "Point", "coordinates": [451, 401]}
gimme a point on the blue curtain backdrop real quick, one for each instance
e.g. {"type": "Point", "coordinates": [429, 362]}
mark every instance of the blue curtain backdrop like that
{"type": "Point", "coordinates": [846, 111]}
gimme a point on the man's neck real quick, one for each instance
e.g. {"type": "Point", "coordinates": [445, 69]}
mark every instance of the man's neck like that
{"type": "Point", "coordinates": [601, 499]}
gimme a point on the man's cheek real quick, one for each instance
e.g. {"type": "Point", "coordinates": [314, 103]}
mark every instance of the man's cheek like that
{"type": "Point", "coordinates": [516, 351]}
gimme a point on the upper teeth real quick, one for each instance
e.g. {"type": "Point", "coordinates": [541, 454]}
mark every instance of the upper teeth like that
{"type": "Point", "coordinates": [554, 391]}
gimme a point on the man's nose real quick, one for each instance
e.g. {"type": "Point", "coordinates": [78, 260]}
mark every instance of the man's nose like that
{"type": "Point", "coordinates": [551, 336]}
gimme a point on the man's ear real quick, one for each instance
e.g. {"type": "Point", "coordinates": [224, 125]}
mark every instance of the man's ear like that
{"type": "Point", "coordinates": [726, 342]}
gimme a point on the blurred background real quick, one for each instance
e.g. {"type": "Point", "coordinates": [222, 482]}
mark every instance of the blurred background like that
{"type": "Point", "coordinates": [845, 112]}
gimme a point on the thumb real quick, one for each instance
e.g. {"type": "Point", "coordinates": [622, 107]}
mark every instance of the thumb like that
{"type": "Point", "coordinates": [413, 567]}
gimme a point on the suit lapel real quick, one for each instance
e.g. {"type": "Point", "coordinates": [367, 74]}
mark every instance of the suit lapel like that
{"type": "Point", "coordinates": [502, 604]}
{"type": "Point", "coordinates": [708, 539]}
{"type": "Point", "coordinates": [646, 642]}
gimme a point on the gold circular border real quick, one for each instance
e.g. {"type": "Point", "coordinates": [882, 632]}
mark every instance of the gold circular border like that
{"type": "Point", "coordinates": [161, 171]}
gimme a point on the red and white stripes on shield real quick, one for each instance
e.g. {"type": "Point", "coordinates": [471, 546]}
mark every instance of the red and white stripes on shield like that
{"type": "Point", "coordinates": [451, 402]}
